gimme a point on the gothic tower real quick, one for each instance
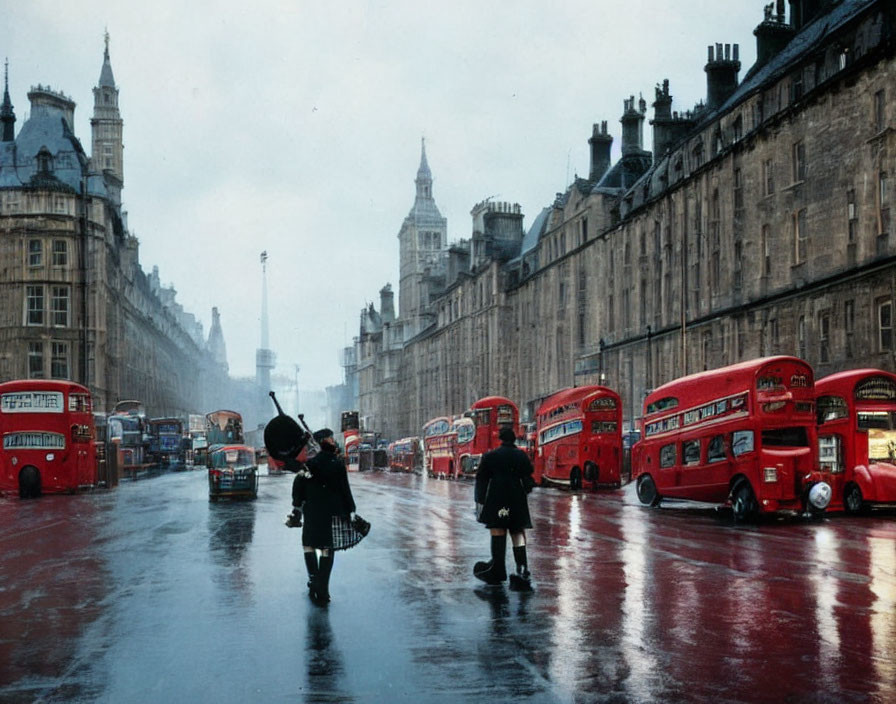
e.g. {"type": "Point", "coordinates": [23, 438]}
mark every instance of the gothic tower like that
{"type": "Point", "coordinates": [423, 236]}
{"type": "Point", "coordinates": [7, 116]}
{"type": "Point", "coordinates": [106, 126]}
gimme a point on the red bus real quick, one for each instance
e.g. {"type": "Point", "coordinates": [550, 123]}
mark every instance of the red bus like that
{"type": "Point", "coordinates": [579, 438]}
{"type": "Point", "coordinates": [439, 445]}
{"type": "Point", "coordinates": [489, 416]}
{"type": "Point", "coordinates": [856, 413]}
{"type": "Point", "coordinates": [743, 434]}
{"type": "Point", "coordinates": [48, 437]}
{"type": "Point", "coordinates": [404, 455]}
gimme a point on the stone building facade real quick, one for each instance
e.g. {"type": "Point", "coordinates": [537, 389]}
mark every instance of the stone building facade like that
{"type": "Point", "coordinates": [76, 303]}
{"type": "Point", "coordinates": [759, 224]}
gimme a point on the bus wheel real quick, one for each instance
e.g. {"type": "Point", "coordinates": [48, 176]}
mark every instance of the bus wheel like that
{"type": "Point", "coordinates": [743, 502]}
{"type": "Point", "coordinates": [853, 503]}
{"type": "Point", "coordinates": [575, 479]}
{"type": "Point", "coordinates": [591, 472]}
{"type": "Point", "coordinates": [29, 482]}
{"type": "Point", "coordinates": [646, 489]}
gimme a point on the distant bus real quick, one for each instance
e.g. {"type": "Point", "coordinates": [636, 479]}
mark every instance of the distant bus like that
{"type": "Point", "coordinates": [351, 436]}
{"type": "Point", "coordinates": [489, 415]}
{"type": "Point", "coordinates": [743, 434]}
{"type": "Point", "coordinates": [48, 437]}
{"type": "Point", "coordinates": [224, 428]}
{"type": "Point", "coordinates": [856, 413]}
{"type": "Point", "coordinates": [579, 438]}
{"type": "Point", "coordinates": [128, 433]}
{"type": "Point", "coordinates": [404, 454]}
{"type": "Point", "coordinates": [439, 444]}
{"type": "Point", "coordinates": [166, 442]}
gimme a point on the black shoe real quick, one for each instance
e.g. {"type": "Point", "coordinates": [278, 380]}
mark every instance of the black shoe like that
{"type": "Point", "coordinates": [491, 574]}
{"type": "Point", "coordinates": [481, 566]}
{"type": "Point", "coordinates": [521, 581]}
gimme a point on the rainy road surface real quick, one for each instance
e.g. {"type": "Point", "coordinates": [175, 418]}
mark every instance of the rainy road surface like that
{"type": "Point", "coordinates": [149, 593]}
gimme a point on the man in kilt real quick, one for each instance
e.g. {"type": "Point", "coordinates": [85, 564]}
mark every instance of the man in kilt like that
{"type": "Point", "coordinates": [503, 480]}
{"type": "Point", "coordinates": [322, 504]}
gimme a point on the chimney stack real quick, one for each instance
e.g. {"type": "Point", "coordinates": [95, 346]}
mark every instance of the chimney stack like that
{"type": "Point", "coordinates": [600, 142]}
{"type": "Point", "coordinates": [387, 304]}
{"type": "Point", "coordinates": [632, 126]}
{"type": "Point", "coordinates": [722, 68]}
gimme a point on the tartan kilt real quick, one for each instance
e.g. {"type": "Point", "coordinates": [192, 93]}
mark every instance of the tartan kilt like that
{"type": "Point", "coordinates": [344, 534]}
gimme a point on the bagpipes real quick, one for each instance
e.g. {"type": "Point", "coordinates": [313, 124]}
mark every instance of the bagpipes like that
{"type": "Point", "coordinates": [284, 438]}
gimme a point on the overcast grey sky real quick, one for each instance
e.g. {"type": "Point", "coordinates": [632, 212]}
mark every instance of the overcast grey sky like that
{"type": "Point", "coordinates": [294, 127]}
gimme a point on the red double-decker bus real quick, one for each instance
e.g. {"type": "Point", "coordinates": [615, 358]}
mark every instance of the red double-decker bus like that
{"type": "Point", "coordinates": [439, 445]}
{"type": "Point", "coordinates": [404, 455]}
{"type": "Point", "coordinates": [48, 437]}
{"type": "Point", "coordinates": [856, 413]}
{"type": "Point", "coordinates": [489, 416]}
{"type": "Point", "coordinates": [743, 434]}
{"type": "Point", "coordinates": [579, 438]}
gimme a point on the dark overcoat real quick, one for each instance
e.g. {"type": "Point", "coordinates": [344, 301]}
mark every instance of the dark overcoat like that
{"type": "Point", "coordinates": [501, 487]}
{"type": "Point", "coordinates": [321, 493]}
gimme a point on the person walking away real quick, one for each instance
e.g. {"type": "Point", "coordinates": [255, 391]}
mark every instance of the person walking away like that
{"type": "Point", "coordinates": [322, 504]}
{"type": "Point", "coordinates": [503, 480]}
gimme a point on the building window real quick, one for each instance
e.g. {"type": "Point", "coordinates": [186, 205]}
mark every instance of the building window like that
{"type": "Point", "coordinates": [852, 217]}
{"type": "Point", "coordinates": [765, 251]}
{"type": "Point", "coordinates": [643, 301]}
{"type": "Point", "coordinates": [801, 337]}
{"type": "Point", "coordinates": [60, 303]}
{"type": "Point", "coordinates": [35, 360]}
{"type": "Point", "coordinates": [706, 349]}
{"type": "Point", "coordinates": [60, 253]}
{"type": "Point", "coordinates": [849, 325]}
{"type": "Point", "coordinates": [799, 162]}
{"type": "Point", "coordinates": [610, 312]}
{"type": "Point", "coordinates": [768, 176]}
{"type": "Point", "coordinates": [34, 304]}
{"type": "Point", "coordinates": [584, 230]}
{"type": "Point", "coordinates": [880, 115]}
{"type": "Point", "coordinates": [738, 264]}
{"type": "Point", "coordinates": [885, 325]}
{"type": "Point", "coordinates": [59, 364]}
{"type": "Point", "coordinates": [35, 253]}
{"type": "Point", "coordinates": [800, 236]}
{"type": "Point", "coordinates": [737, 129]}
{"type": "Point", "coordinates": [824, 334]}
{"type": "Point", "coordinates": [738, 189]}
{"type": "Point", "coordinates": [884, 200]}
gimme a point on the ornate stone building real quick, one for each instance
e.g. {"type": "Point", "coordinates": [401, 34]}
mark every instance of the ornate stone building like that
{"type": "Point", "coordinates": [759, 224]}
{"type": "Point", "coordinates": [76, 303]}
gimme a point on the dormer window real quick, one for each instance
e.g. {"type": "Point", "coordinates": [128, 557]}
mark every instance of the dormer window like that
{"type": "Point", "coordinates": [44, 161]}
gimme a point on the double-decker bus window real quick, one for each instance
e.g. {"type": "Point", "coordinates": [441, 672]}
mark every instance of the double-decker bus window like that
{"type": "Point", "coordinates": [829, 408]}
{"type": "Point", "coordinates": [830, 453]}
{"type": "Point", "coordinates": [667, 455]}
{"type": "Point", "coordinates": [598, 426]}
{"type": "Point", "coordinates": [690, 452]}
{"type": "Point", "coordinates": [480, 416]}
{"type": "Point", "coordinates": [881, 420]}
{"type": "Point", "coordinates": [785, 437]}
{"type": "Point", "coordinates": [715, 452]}
{"type": "Point", "coordinates": [741, 442]}
{"type": "Point", "coordinates": [662, 404]}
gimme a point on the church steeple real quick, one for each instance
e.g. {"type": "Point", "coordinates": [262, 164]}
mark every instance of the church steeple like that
{"type": "Point", "coordinates": [7, 116]}
{"type": "Point", "coordinates": [106, 123]}
{"type": "Point", "coordinates": [424, 175]}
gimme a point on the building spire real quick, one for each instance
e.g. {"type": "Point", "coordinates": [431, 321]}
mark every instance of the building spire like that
{"type": "Point", "coordinates": [424, 175]}
{"type": "Point", "coordinates": [7, 116]}
{"type": "Point", "coordinates": [106, 78]}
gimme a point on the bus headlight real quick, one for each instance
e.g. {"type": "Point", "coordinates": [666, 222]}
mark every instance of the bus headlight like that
{"type": "Point", "coordinates": [820, 495]}
{"type": "Point", "coordinates": [770, 474]}
{"type": "Point", "coordinates": [50, 457]}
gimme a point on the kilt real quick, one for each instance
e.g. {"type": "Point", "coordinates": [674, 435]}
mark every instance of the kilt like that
{"type": "Point", "coordinates": [344, 534]}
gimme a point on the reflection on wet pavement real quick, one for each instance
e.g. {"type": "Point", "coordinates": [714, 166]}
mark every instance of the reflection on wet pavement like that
{"type": "Point", "coordinates": [151, 593]}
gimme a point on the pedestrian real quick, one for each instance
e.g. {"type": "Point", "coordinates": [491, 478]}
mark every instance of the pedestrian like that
{"type": "Point", "coordinates": [503, 480]}
{"type": "Point", "coordinates": [322, 504]}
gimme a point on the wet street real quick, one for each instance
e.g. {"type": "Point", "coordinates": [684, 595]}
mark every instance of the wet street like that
{"type": "Point", "coordinates": [149, 593]}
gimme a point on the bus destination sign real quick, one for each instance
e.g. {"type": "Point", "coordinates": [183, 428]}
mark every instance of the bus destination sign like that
{"type": "Point", "coordinates": [33, 441]}
{"type": "Point", "coordinates": [32, 402]}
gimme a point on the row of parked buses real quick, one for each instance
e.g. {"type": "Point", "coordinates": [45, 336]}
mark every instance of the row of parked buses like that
{"type": "Point", "coordinates": [764, 436]}
{"type": "Point", "coordinates": [54, 442]}
{"type": "Point", "coordinates": [575, 441]}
